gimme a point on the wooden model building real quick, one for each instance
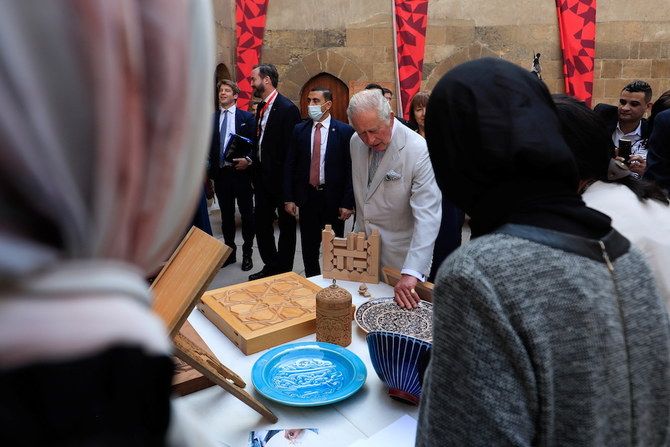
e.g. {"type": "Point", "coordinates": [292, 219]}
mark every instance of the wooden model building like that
{"type": "Point", "coordinates": [353, 258]}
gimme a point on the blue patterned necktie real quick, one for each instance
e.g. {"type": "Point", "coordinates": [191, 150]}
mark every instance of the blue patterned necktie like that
{"type": "Point", "coordinates": [222, 136]}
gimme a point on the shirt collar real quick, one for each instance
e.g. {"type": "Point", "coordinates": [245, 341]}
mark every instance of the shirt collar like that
{"type": "Point", "coordinates": [325, 123]}
{"type": "Point", "coordinates": [231, 109]}
{"type": "Point", "coordinates": [271, 97]}
{"type": "Point", "coordinates": [637, 131]}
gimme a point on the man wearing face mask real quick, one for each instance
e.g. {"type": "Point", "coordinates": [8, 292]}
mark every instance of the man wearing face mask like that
{"type": "Point", "coordinates": [317, 176]}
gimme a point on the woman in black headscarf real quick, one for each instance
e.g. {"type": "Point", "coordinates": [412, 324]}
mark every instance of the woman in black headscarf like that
{"type": "Point", "coordinates": [547, 328]}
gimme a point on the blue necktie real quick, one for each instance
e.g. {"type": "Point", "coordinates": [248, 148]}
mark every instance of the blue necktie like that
{"type": "Point", "coordinates": [223, 133]}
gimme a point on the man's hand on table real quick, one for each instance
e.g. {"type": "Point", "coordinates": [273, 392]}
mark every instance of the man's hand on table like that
{"type": "Point", "coordinates": [405, 295]}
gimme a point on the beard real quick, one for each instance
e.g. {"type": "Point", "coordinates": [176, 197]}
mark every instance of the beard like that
{"type": "Point", "coordinates": [258, 91]}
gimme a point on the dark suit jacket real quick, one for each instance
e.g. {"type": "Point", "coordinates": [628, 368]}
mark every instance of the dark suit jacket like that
{"type": "Point", "coordinates": [245, 125]}
{"type": "Point", "coordinates": [283, 117]}
{"type": "Point", "coordinates": [658, 158]}
{"type": "Point", "coordinates": [610, 114]}
{"type": "Point", "coordinates": [337, 165]}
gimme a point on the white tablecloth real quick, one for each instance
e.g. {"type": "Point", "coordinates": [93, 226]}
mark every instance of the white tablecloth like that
{"type": "Point", "coordinates": [230, 421]}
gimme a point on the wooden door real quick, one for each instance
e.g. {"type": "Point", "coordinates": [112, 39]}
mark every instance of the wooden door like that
{"type": "Point", "coordinates": [339, 90]}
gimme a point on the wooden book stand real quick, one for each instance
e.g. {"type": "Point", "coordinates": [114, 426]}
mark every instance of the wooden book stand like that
{"type": "Point", "coordinates": [178, 286]}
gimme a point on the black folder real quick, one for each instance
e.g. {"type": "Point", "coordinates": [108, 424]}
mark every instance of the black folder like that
{"type": "Point", "coordinates": [238, 147]}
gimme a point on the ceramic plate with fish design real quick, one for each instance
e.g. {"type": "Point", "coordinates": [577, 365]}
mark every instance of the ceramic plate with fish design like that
{"type": "Point", "coordinates": [383, 314]}
{"type": "Point", "coordinates": [308, 374]}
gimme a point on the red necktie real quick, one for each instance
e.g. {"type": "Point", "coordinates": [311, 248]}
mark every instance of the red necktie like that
{"type": "Point", "coordinates": [315, 166]}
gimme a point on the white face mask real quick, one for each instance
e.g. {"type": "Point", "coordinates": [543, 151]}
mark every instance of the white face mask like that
{"type": "Point", "coordinates": [315, 112]}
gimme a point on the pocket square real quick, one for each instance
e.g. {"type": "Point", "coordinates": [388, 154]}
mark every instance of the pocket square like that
{"type": "Point", "coordinates": [392, 175]}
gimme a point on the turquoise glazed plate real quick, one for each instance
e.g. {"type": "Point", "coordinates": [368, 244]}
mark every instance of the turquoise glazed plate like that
{"type": "Point", "coordinates": [308, 374]}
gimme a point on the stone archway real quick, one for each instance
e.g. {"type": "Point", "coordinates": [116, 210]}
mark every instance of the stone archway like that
{"type": "Point", "coordinates": [474, 51]}
{"type": "Point", "coordinates": [313, 64]}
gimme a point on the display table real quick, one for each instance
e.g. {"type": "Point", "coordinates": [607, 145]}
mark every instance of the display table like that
{"type": "Point", "coordinates": [361, 416]}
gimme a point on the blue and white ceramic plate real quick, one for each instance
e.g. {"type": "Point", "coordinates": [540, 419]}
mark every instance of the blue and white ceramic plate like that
{"type": "Point", "coordinates": [383, 314]}
{"type": "Point", "coordinates": [308, 374]}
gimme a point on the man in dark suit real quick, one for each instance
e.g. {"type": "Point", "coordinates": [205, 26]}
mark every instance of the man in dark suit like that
{"type": "Point", "coordinates": [276, 118]}
{"type": "Point", "coordinates": [317, 176]}
{"type": "Point", "coordinates": [232, 179]}
{"type": "Point", "coordinates": [627, 121]}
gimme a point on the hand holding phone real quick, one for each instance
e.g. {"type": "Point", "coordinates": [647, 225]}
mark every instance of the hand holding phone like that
{"type": "Point", "coordinates": [625, 146]}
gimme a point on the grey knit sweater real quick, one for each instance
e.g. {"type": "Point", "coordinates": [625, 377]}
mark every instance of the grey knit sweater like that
{"type": "Point", "coordinates": [537, 346]}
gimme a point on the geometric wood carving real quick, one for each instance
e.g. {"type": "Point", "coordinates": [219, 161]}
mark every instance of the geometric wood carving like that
{"type": "Point", "coordinates": [353, 258]}
{"type": "Point", "coordinates": [264, 313]}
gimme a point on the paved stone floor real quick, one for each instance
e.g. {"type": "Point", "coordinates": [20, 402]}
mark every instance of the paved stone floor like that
{"type": "Point", "coordinates": [233, 274]}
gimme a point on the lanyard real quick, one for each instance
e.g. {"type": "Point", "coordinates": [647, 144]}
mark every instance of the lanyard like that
{"type": "Point", "coordinates": [270, 99]}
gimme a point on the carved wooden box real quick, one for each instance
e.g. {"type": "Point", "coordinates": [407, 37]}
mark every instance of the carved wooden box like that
{"type": "Point", "coordinates": [261, 314]}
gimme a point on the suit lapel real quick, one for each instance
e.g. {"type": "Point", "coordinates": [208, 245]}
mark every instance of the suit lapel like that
{"type": "Point", "coordinates": [330, 143]}
{"type": "Point", "coordinates": [392, 153]}
{"type": "Point", "coordinates": [217, 116]}
{"type": "Point", "coordinates": [238, 120]}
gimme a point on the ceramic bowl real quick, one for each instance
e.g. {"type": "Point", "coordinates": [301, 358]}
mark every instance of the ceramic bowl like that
{"type": "Point", "coordinates": [395, 358]}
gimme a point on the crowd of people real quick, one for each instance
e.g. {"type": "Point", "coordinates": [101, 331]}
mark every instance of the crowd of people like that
{"type": "Point", "coordinates": [550, 326]}
{"type": "Point", "coordinates": [375, 168]}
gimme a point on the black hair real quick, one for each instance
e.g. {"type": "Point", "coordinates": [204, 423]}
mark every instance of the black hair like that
{"type": "Point", "coordinates": [327, 94]}
{"type": "Point", "coordinates": [373, 85]}
{"type": "Point", "coordinates": [639, 86]}
{"type": "Point", "coordinates": [270, 71]}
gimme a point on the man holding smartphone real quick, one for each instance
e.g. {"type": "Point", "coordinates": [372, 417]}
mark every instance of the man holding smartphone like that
{"type": "Point", "coordinates": [626, 121]}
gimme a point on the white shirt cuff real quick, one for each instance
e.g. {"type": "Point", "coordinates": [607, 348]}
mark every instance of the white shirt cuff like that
{"type": "Point", "coordinates": [413, 273]}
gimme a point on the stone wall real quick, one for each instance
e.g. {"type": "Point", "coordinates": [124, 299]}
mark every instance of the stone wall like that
{"type": "Point", "coordinates": [353, 40]}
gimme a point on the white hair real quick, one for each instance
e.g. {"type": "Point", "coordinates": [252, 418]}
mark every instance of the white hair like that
{"type": "Point", "coordinates": [372, 99]}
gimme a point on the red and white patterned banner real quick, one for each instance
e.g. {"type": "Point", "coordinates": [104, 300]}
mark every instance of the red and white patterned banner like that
{"type": "Point", "coordinates": [250, 25]}
{"type": "Point", "coordinates": [577, 27]}
{"type": "Point", "coordinates": [411, 18]}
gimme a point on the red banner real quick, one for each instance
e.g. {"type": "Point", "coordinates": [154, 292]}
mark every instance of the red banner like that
{"type": "Point", "coordinates": [577, 27]}
{"type": "Point", "coordinates": [250, 25]}
{"type": "Point", "coordinates": [411, 17]}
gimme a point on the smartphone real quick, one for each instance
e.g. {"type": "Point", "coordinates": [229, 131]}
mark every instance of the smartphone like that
{"type": "Point", "coordinates": [624, 149]}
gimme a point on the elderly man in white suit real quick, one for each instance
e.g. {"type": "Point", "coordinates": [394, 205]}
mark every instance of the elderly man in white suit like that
{"type": "Point", "coordinates": [395, 190]}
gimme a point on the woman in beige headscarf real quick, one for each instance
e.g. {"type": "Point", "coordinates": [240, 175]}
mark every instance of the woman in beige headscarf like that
{"type": "Point", "coordinates": [103, 134]}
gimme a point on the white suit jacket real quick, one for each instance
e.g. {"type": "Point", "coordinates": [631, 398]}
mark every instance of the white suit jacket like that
{"type": "Point", "coordinates": [403, 202]}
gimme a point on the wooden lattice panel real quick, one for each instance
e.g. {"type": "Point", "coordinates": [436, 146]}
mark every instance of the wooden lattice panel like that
{"type": "Point", "coordinates": [353, 258]}
{"type": "Point", "coordinates": [261, 314]}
